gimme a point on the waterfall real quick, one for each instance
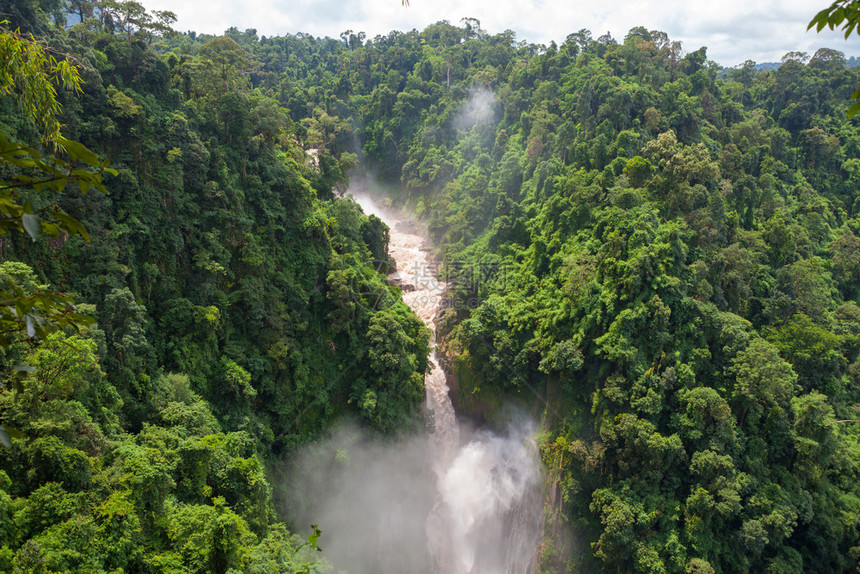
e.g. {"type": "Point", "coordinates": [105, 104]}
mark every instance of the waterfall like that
{"type": "Point", "coordinates": [486, 515]}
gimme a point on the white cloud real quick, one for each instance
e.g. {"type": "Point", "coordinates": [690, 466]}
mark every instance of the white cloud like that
{"type": "Point", "coordinates": [733, 30]}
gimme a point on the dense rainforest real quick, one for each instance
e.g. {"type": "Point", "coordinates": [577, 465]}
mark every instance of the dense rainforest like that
{"type": "Point", "coordinates": [658, 255]}
{"type": "Point", "coordinates": [239, 310]}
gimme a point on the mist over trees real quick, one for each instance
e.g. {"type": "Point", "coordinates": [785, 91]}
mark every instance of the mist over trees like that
{"type": "Point", "coordinates": [658, 254]}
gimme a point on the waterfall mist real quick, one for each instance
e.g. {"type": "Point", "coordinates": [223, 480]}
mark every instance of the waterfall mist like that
{"type": "Point", "coordinates": [383, 508]}
{"type": "Point", "coordinates": [371, 500]}
{"type": "Point", "coordinates": [488, 509]}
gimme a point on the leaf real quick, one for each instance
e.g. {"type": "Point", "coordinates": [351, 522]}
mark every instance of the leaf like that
{"type": "Point", "coordinates": [19, 373]}
{"type": "Point", "coordinates": [19, 162]}
{"type": "Point", "coordinates": [79, 151]}
{"type": "Point", "coordinates": [820, 20]}
{"type": "Point", "coordinates": [70, 224]}
{"type": "Point", "coordinates": [51, 229]}
{"type": "Point", "coordinates": [32, 225]}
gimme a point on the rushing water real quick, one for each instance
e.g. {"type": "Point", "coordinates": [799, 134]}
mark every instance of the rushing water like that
{"type": "Point", "coordinates": [486, 511]}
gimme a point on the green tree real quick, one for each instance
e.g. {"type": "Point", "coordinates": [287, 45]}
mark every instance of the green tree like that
{"type": "Point", "coordinates": [133, 18]}
{"type": "Point", "coordinates": [764, 384]}
{"type": "Point", "coordinates": [29, 73]}
{"type": "Point", "coordinates": [226, 65]}
{"type": "Point", "coordinates": [845, 15]}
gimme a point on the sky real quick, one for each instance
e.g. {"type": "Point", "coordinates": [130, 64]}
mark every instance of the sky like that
{"type": "Point", "coordinates": [733, 30]}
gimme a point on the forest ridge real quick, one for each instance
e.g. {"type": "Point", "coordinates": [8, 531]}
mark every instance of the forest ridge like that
{"type": "Point", "coordinates": [664, 263]}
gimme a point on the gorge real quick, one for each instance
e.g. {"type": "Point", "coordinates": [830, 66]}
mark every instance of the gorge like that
{"type": "Point", "coordinates": [472, 506]}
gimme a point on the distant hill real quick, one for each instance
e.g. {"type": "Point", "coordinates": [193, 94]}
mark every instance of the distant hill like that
{"type": "Point", "coordinates": [767, 66]}
{"type": "Point", "coordinates": [851, 62]}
